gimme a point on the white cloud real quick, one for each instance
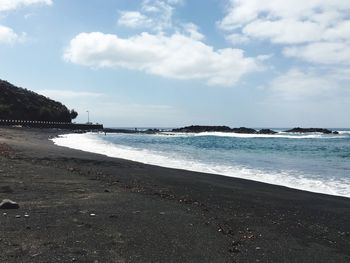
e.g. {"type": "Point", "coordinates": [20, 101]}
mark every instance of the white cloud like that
{"type": "Point", "coordinates": [8, 36]}
{"type": "Point", "coordinates": [264, 57]}
{"type": "Point", "coordinates": [340, 31]}
{"type": "Point", "coordinates": [237, 39]}
{"type": "Point", "coordinates": [156, 15]}
{"type": "Point", "coordinates": [29, 15]}
{"type": "Point", "coordinates": [176, 56]}
{"type": "Point", "coordinates": [322, 25]}
{"type": "Point", "coordinates": [175, 2]}
{"type": "Point", "coordinates": [6, 5]}
{"type": "Point", "coordinates": [284, 31]}
{"type": "Point", "coordinates": [307, 97]}
{"type": "Point", "coordinates": [134, 19]}
{"type": "Point", "coordinates": [322, 52]}
{"type": "Point", "coordinates": [341, 74]}
{"type": "Point", "coordinates": [243, 12]}
{"type": "Point", "coordinates": [193, 31]}
{"type": "Point", "coordinates": [302, 85]}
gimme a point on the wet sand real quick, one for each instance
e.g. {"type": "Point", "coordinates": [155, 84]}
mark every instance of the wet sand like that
{"type": "Point", "coordinates": [83, 207]}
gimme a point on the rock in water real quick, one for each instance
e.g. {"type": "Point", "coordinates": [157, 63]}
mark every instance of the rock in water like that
{"type": "Point", "coordinates": [308, 130]}
{"type": "Point", "coordinates": [267, 131]}
{"type": "Point", "coordinates": [201, 128]}
{"type": "Point", "coordinates": [244, 130]}
{"type": "Point", "coordinates": [8, 204]}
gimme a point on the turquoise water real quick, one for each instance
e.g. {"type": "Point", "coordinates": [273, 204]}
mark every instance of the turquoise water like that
{"type": "Point", "coordinates": [313, 162]}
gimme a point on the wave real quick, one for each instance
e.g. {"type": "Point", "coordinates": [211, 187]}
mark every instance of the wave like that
{"type": "Point", "coordinates": [344, 132]}
{"type": "Point", "coordinates": [242, 135]}
{"type": "Point", "coordinates": [92, 143]}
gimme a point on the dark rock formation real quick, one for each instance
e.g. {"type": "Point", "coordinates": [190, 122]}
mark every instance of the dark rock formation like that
{"type": "Point", "coordinates": [199, 128]}
{"type": "Point", "coordinates": [309, 130]}
{"type": "Point", "coordinates": [266, 131]}
{"type": "Point", "coordinates": [243, 130]}
{"type": "Point", "coordinates": [152, 131]}
{"type": "Point", "coordinates": [111, 130]}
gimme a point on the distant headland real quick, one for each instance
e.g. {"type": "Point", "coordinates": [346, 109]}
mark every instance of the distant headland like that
{"type": "Point", "coordinates": [22, 107]}
{"type": "Point", "coordinates": [21, 104]}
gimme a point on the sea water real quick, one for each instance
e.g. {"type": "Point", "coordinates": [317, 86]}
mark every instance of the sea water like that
{"type": "Point", "coordinates": [313, 162]}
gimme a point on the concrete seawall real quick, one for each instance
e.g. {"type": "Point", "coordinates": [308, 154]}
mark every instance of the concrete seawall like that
{"type": "Point", "coordinates": [47, 124]}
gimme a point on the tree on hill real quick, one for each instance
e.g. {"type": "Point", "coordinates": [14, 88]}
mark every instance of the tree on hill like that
{"type": "Point", "coordinates": [73, 114]}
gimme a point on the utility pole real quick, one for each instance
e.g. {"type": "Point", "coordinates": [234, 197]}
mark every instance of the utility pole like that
{"type": "Point", "coordinates": [88, 112]}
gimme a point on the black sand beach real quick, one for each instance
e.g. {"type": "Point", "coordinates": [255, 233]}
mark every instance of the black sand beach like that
{"type": "Point", "coordinates": [83, 207]}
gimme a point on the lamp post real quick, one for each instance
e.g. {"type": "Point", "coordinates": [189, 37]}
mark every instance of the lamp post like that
{"type": "Point", "coordinates": [88, 112]}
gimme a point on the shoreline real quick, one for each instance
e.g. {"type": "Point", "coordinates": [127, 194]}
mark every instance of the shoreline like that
{"type": "Point", "coordinates": [85, 207]}
{"type": "Point", "coordinates": [88, 144]}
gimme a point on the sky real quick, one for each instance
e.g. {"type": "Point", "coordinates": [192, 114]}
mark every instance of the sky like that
{"type": "Point", "coordinates": [171, 63]}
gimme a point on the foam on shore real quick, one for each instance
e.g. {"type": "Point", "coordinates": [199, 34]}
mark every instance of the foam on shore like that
{"type": "Point", "coordinates": [244, 135]}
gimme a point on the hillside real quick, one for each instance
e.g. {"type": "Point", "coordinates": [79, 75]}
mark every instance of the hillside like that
{"type": "Point", "coordinates": [21, 104]}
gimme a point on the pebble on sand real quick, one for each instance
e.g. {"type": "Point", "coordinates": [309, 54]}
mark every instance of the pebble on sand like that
{"type": "Point", "coordinates": [8, 204]}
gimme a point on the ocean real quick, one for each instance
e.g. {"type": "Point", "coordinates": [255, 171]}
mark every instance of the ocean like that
{"type": "Point", "coordinates": [312, 162]}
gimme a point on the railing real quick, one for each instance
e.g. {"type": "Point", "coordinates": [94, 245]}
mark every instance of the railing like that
{"type": "Point", "coordinates": [49, 124]}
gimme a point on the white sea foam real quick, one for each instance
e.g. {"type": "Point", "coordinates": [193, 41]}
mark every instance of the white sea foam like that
{"type": "Point", "coordinates": [92, 143]}
{"type": "Point", "coordinates": [243, 135]}
{"type": "Point", "coordinates": [344, 132]}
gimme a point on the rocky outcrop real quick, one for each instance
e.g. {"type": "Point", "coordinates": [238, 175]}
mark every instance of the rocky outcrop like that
{"type": "Point", "coordinates": [266, 131]}
{"type": "Point", "coordinates": [152, 131]}
{"type": "Point", "coordinates": [199, 128]}
{"type": "Point", "coordinates": [310, 130]}
{"type": "Point", "coordinates": [242, 130]}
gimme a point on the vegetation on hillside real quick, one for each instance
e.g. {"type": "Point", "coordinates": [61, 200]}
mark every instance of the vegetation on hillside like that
{"type": "Point", "coordinates": [22, 104]}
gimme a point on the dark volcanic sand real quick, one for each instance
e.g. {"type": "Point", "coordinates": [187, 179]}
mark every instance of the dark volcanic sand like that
{"type": "Point", "coordinates": [150, 214]}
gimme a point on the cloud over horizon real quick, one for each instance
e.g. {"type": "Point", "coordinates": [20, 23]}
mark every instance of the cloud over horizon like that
{"type": "Point", "coordinates": [128, 111]}
{"type": "Point", "coordinates": [298, 85]}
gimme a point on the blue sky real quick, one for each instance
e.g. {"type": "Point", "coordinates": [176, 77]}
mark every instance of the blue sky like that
{"type": "Point", "coordinates": [170, 63]}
